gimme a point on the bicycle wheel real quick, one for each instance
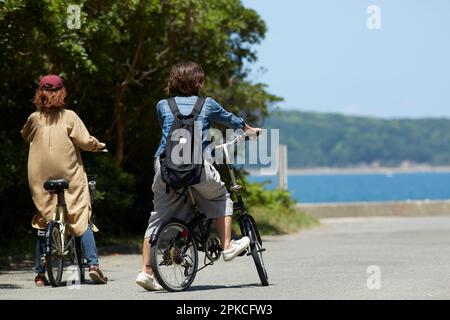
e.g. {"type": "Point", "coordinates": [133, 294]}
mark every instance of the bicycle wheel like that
{"type": "Point", "coordinates": [76, 259]}
{"type": "Point", "coordinates": [174, 256]}
{"type": "Point", "coordinates": [80, 259]}
{"type": "Point", "coordinates": [256, 250]}
{"type": "Point", "coordinates": [54, 254]}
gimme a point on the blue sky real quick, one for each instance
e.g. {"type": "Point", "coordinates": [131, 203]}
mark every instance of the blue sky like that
{"type": "Point", "coordinates": [320, 56]}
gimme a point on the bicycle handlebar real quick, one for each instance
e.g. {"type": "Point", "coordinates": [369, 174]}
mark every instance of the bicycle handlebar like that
{"type": "Point", "coordinates": [235, 140]}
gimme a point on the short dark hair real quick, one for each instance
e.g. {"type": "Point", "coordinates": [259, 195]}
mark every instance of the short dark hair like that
{"type": "Point", "coordinates": [185, 79]}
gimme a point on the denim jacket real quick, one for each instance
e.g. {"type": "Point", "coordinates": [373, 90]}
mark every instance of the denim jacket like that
{"type": "Point", "coordinates": [211, 111]}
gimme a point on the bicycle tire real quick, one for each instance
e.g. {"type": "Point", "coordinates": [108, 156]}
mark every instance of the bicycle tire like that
{"type": "Point", "coordinates": [80, 259]}
{"type": "Point", "coordinates": [54, 254]}
{"type": "Point", "coordinates": [154, 254]}
{"type": "Point", "coordinates": [256, 252]}
{"type": "Point", "coordinates": [75, 260]}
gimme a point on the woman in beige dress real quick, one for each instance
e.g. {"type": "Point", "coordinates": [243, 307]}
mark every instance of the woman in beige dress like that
{"type": "Point", "coordinates": [56, 135]}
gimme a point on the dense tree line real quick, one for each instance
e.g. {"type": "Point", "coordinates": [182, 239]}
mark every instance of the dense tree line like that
{"type": "Point", "coordinates": [115, 66]}
{"type": "Point", "coordinates": [321, 139]}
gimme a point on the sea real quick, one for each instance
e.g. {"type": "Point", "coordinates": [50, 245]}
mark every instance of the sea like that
{"type": "Point", "coordinates": [375, 187]}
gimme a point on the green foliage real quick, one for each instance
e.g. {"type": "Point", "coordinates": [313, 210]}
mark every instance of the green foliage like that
{"type": "Point", "coordinates": [257, 195]}
{"type": "Point", "coordinates": [114, 69]}
{"type": "Point", "coordinates": [114, 196]}
{"type": "Point", "coordinates": [277, 220]}
{"type": "Point", "coordinates": [316, 139]}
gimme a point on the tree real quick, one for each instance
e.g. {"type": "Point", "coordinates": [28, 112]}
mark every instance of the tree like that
{"type": "Point", "coordinates": [115, 68]}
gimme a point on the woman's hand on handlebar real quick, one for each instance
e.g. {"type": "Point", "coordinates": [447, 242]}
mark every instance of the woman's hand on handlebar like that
{"type": "Point", "coordinates": [250, 134]}
{"type": "Point", "coordinates": [250, 131]}
{"type": "Point", "coordinates": [102, 147]}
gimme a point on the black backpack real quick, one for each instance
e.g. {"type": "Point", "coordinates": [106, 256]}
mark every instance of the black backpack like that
{"type": "Point", "coordinates": [187, 172]}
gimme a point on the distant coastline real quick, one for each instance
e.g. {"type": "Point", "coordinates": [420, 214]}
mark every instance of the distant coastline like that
{"type": "Point", "coordinates": [363, 170]}
{"type": "Point", "coordinates": [369, 170]}
{"type": "Point", "coordinates": [335, 140]}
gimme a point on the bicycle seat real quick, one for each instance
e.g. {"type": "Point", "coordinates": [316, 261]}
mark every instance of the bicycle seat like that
{"type": "Point", "coordinates": [56, 185]}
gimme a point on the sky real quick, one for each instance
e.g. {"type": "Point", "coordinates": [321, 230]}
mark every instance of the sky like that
{"type": "Point", "coordinates": [320, 55]}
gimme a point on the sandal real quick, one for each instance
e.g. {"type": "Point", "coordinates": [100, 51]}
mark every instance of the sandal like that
{"type": "Point", "coordinates": [97, 275]}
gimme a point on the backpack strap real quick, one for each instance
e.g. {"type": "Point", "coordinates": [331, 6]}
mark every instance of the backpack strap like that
{"type": "Point", "coordinates": [173, 107]}
{"type": "Point", "coordinates": [198, 107]}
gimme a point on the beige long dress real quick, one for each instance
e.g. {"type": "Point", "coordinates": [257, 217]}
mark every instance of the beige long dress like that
{"type": "Point", "coordinates": [55, 138]}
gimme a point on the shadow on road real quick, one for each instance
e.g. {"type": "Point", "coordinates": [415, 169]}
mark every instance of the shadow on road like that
{"type": "Point", "coordinates": [26, 261]}
{"type": "Point", "coordinates": [9, 286]}
{"type": "Point", "coordinates": [214, 287]}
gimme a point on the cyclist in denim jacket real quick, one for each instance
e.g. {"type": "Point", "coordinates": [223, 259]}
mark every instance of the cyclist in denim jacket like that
{"type": "Point", "coordinates": [184, 84]}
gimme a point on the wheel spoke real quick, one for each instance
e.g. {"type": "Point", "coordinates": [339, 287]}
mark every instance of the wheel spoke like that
{"type": "Point", "coordinates": [175, 253]}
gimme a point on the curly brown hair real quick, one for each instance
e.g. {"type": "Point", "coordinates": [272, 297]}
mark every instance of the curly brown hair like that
{"type": "Point", "coordinates": [48, 99]}
{"type": "Point", "coordinates": [185, 79]}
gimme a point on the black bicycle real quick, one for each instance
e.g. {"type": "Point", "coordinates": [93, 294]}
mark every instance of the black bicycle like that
{"type": "Point", "coordinates": [175, 246]}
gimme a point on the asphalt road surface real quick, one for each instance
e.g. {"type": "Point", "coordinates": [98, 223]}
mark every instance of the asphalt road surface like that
{"type": "Point", "coordinates": [345, 258]}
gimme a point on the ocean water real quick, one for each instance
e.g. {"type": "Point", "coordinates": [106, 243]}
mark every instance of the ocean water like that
{"type": "Point", "coordinates": [365, 187]}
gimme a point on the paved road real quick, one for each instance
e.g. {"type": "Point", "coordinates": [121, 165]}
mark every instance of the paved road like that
{"type": "Point", "coordinates": [329, 262]}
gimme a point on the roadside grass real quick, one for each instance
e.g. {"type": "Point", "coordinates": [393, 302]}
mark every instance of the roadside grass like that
{"type": "Point", "coordinates": [18, 252]}
{"type": "Point", "coordinates": [279, 220]}
{"type": "Point", "coordinates": [274, 211]}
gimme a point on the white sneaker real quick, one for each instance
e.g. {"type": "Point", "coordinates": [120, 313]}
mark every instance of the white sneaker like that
{"type": "Point", "coordinates": [148, 282]}
{"type": "Point", "coordinates": [237, 246]}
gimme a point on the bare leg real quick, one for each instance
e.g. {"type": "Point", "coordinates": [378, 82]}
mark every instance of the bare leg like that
{"type": "Point", "coordinates": [223, 227]}
{"type": "Point", "coordinates": [147, 267]}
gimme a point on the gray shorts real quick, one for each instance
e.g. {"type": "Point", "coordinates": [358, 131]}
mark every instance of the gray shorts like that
{"type": "Point", "coordinates": [210, 194]}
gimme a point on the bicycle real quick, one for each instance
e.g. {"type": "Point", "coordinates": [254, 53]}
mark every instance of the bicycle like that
{"type": "Point", "coordinates": [60, 245]}
{"type": "Point", "coordinates": [175, 245]}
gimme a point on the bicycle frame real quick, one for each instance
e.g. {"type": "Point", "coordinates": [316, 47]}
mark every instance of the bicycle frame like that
{"type": "Point", "coordinates": [61, 210]}
{"type": "Point", "coordinates": [198, 220]}
{"type": "Point", "coordinates": [60, 217]}
{"type": "Point", "coordinates": [238, 206]}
